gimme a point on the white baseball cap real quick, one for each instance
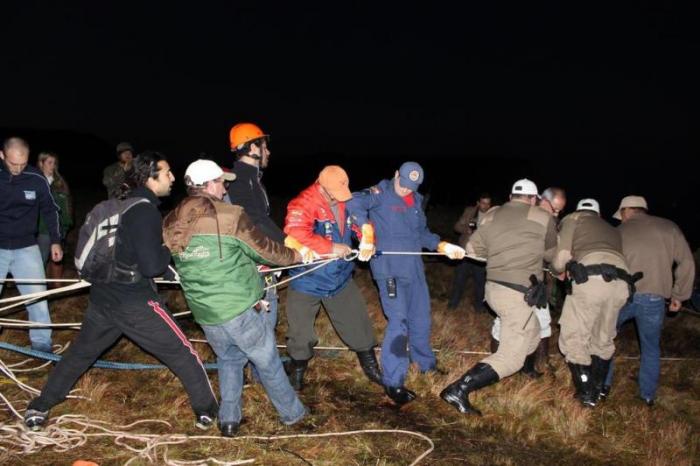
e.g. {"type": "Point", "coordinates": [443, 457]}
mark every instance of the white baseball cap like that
{"type": "Point", "coordinates": [588, 204]}
{"type": "Point", "coordinates": [525, 187]}
{"type": "Point", "coordinates": [202, 170]}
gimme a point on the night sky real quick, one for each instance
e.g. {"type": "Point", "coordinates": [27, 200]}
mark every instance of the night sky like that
{"type": "Point", "coordinates": [602, 100]}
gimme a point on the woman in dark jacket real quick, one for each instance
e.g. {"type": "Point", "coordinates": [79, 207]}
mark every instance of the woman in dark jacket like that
{"type": "Point", "coordinates": [48, 164]}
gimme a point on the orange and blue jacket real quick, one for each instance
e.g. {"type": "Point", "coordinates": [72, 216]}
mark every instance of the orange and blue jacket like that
{"type": "Point", "coordinates": [311, 221]}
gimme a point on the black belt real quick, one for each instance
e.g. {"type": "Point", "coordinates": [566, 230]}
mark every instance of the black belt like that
{"type": "Point", "coordinates": [534, 295]}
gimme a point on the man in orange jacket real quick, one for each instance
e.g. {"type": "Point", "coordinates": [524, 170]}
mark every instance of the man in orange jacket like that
{"type": "Point", "coordinates": [317, 226]}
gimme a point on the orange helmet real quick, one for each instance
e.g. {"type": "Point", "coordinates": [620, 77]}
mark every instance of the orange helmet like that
{"type": "Point", "coordinates": [244, 132]}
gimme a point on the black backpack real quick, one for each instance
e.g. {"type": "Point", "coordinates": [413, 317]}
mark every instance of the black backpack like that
{"type": "Point", "coordinates": [95, 252]}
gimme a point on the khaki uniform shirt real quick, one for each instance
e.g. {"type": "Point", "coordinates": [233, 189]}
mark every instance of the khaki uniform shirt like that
{"type": "Point", "coordinates": [515, 238]}
{"type": "Point", "coordinates": [652, 245]}
{"type": "Point", "coordinates": [583, 233]}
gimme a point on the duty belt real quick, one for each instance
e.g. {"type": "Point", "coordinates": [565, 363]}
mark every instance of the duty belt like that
{"type": "Point", "coordinates": [534, 295]}
{"type": "Point", "coordinates": [579, 273]}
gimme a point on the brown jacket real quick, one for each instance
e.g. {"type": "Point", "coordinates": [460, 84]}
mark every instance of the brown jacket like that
{"type": "Point", "coordinates": [469, 215]}
{"type": "Point", "coordinates": [515, 239]}
{"type": "Point", "coordinates": [583, 233]}
{"type": "Point", "coordinates": [652, 245]}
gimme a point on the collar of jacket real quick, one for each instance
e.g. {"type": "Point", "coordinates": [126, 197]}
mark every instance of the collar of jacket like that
{"type": "Point", "coordinates": [246, 171]}
{"type": "Point", "coordinates": [143, 191]}
{"type": "Point", "coordinates": [29, 169]}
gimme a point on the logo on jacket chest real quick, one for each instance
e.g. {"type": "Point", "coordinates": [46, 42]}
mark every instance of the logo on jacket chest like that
{"type": "Point", "coordinates": [199, 252]}
{"type": "Point", "coordinates": [30, 195]}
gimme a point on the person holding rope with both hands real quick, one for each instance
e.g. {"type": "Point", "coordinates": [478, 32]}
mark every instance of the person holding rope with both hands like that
{"type": "Point", "coordinates": [393, 210]}
{"type": "Point", "coordinates": [216, 247]}
{"type": "Point", "coordinates": [317, 224]}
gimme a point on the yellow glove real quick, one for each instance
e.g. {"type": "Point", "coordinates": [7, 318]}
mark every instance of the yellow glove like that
{"type": "Point", "coordinates": [367, 248]}
{"type": "Point", "coordinates": [451, 250]}
{"type": "Point", "coordinates": [307, 255]}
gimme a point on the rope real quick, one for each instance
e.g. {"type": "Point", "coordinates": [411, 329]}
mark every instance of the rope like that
{"type": "Point", "coordinates": [101, 364]}
{"type": "Point", "coordinates": [63, 435]}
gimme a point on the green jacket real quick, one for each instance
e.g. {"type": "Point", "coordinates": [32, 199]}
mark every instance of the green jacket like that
{"type": "Point", "coordinates": [63, 200]}
{"type": "Point", "coordinates": [216, 249]}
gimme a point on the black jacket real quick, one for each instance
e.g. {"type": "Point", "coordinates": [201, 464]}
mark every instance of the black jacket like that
{"type": "Point", "coordinates": [21, 198]}
{"type": "Point", "coordinates": [140, 243]}
{"type": "Point", "coordinates": [248, 192]}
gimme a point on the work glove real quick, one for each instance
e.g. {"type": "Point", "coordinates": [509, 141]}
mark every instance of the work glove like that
{"type": "Point", "coordinates": [307, 255]}
{"type": "Point", "coordinates": [367, 248]}
{"type": "Point", "coordinates": [451, 250]}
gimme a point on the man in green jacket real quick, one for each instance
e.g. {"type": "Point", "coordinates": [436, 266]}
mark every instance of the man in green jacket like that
{"type": "Point", "coordinates": [216, 248]}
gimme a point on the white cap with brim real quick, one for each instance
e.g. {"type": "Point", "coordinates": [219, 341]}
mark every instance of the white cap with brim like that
{"type": "Point", "coordinates": [202, 170]}
{"type": "Point", "coordinates": [525, 187]}
{"type": "Point", "coordinates": [630, 201]}
{"type": "Point", "coordinates": [588, 204]}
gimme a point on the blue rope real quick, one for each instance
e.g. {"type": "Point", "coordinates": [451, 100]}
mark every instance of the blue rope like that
{"type": "Point", "coordinates": [99, 363]}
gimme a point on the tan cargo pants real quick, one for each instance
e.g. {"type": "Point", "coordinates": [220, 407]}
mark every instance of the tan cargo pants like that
{"type": "Point", "coordinates": [589, 319]}
{"type": "Point", "coordinates": [520, 329]}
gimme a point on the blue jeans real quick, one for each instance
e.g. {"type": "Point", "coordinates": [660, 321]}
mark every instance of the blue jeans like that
{"type": "Point", "coordinates": [648, 311]}
{"type": "Point", "coordinates": [27, 263]}
{"type": "Point", "coordinates": [270, 318]}
{"type": "Point", "coordinates": [243, 338]}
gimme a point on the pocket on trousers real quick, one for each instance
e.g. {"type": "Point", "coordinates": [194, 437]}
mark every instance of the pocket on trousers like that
{"type": "Point", "coordinates": [251, 330]}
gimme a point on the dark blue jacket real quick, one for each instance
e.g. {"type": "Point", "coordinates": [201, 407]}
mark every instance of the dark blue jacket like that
{"type": "Point", "coordinates": [21, 198]}
{"type": "Point", "coordinates": [397, 227]}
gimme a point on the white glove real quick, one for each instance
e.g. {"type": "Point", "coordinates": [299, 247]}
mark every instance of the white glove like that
{"type": "Point", "coordinates": [451, 250]}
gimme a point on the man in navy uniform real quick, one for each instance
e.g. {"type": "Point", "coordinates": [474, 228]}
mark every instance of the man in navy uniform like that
{"type": "Point", "coordinates": [393, 208]}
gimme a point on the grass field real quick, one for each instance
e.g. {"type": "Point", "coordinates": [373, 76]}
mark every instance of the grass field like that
{"type": "Point", "coordinates": [525, 422]}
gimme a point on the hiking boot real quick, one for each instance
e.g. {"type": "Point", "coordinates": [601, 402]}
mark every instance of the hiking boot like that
{"type": "Point", "coordinates": [581, 376]}
{"type": "Point", "coordinates": [400, 395]}
{"type": "Point", "coordinates": [457, 393]}
{"type": "Point", "coordinates": [295, 369]}
{"type": "Point", "coordinates": [599, 370]}
{"type": "Point", "coordinates": [529, 368]}
{"type": "Point", "coordinates": [35, 420]}
{"type": "Point", "coordinates": [370, 366]}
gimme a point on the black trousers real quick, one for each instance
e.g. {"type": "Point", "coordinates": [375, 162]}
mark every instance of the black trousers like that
{"type": "Point", "coordinates": [149, 325]}
{"type": "Point", "coordinates": [463, 270]}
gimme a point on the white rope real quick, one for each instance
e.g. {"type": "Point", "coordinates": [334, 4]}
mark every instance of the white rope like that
{"type": "Point", "coordinates": [40, 295]}
{"type": "Point", "coordinates": [15, 438]}
{"type": "Point", "coordinates": [405, 253]}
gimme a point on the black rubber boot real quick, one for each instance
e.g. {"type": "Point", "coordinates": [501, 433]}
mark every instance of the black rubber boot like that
{"type": "Point", "coordinates": [295, 369]}
{"type": "Point", "coordinates": [581, 376]}
{"type": "Point", "coordinates": [400, 395]}
{"type": "Point", "coordinates": [494, 345]}
{"type": "Point", "coordinates": [529, 368]}
{"type": "Point", "coordinates": [457, 393]}
{"type": "Point", "coordinates": [370, 366]}
{"type": "Point", "coordinates": [599, 370]}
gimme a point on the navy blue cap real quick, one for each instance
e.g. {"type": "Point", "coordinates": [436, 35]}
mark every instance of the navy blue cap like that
{"type": "Point", "coordinates": [410, 175]}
